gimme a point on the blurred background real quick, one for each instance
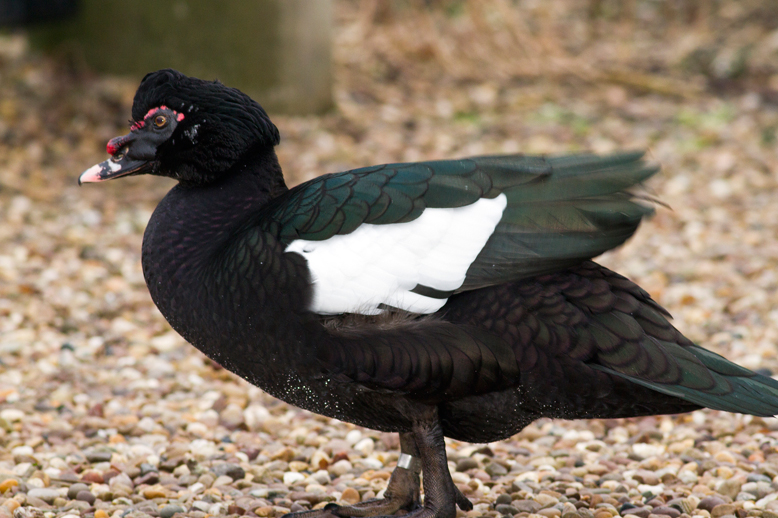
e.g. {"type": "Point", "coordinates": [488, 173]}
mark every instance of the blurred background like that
{"type": "Point", "coordinates": [693, 82]}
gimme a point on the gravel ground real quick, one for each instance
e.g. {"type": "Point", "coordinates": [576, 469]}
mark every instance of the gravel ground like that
{"type": "Point", "coordinates": [104, 411]}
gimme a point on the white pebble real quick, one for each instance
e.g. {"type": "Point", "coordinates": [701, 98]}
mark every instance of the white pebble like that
{"type": "Point", "coordinates": [341, 467]}
{"type": "Point", "coordinates": [58, 463]}
{"type": "Point", "coordinates": [21, 468]}
{"type": "Point", "coordinates": [198, 429]}
{"type": "Point", "coordinates": [147, 424]}
{"type": "Point", "coordinates": [319, 457]}
{"type": "Point", "coordinates": [365, 446]}
{"type": "Point", "coordinates": [761, 504]}
{"type": "Point", "coordinates": [222, 480]}
{"type": "Point", "coordinates": [202, 447]}
{"type": "Point", "coordinates": [316, 489]}
{"type": "Point", "coordinates": [322, 477]}
{"type": "Point", "coordinates": [35, 482]}
{"type": "Point", "coordinates": [371, 463]}
{"type": "Point", "coordinates": [254, 416]}
{"type": "Point", "coordinates": [22, 450]}
{"type": "Point", "coordinates": [647, 450]}
{"type": "Point", "coordinates": [209, 418]}
{"type": "Point", "coordinates": [656, 490]}
{"type": "Point", "coordinates": [353, 436]}
{"type": "Point", "coordinates": [217, 509]}
{"type": "Point", "coordinates": [688, 477]}
{"type": "Point", "coordinates": [11, 414]}
{"type": "Point", "coordinates": [293, 477]}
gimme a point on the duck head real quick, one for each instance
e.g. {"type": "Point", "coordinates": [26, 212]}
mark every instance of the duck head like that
{"type": "Point", "coordinates": [187, 129]}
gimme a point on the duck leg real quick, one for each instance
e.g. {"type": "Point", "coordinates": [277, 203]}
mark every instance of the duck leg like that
{"type": "Point", "coordinates": [423, 449]}
{"type": "Point", "coordinates": [402, 491]}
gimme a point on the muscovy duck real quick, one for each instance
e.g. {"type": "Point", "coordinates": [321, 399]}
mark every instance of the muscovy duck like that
{"type": "Point", "coordinates": [452, 298]}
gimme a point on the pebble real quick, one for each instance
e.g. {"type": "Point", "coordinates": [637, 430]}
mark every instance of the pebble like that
{"type": "Point", "coordinates": [292, 477]}
{"type": "Point", "coordinates": [233, 471]}
{"type": "Point", "coordinates": [723, 509]}
{"type": "Point", "coordinates": [92, 476]}
{"type": "Point", "coordinates": [86, 496]}
{"type": "Point", "coordinates": [466, 464]}
{"type": "Point", "coordinates": [74, 489]}
{"type": "Point", "coordinates": [169, 510]}
{"type": "Point", "coordinates": [495, 469]}
{"type": "Point", "coordinates": [7, 484]}
{"type": "Point", "coordinates": [341, 467]}
{"type": "Point", "coordinates": [154, 492]}
{"type": "Point", "coordinates": [11, 415]}
{"type": "Point", "coordinates": [709, 502]}
{"type": "Point", "coordinates": [506, 509]}
{"type": "Point", "coordinates": [98, 456]}
{"type": "Point", "coordinates": [100, 513]}
{"type": "Point", "coordinates": [666, 511]}
{"type": "Point", "coordinates": [526, 506]}
{"type": "Point", "coordinates": [222, 480]}
{"type": "Point", "coordinates": [730, 487]}
{"type": "Point", "coordinates": [11, 504]}
{"type": "Point", "coordinates": [46, 494]}
{"type": "Point", "coordinates": [546, 500]}
{"type": "Point", "coordinates": [350, 496]}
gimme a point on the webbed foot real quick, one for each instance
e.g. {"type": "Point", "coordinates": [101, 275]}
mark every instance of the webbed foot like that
{"type": "Point", "coordinates": [423, 449]}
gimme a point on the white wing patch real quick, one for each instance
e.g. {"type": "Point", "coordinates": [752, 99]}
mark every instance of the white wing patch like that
{"type": "Point", "coordinates": [381, 264]}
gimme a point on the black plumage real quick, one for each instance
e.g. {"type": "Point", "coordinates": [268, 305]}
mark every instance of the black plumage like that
{"type": "Point", "coordinates": [527, 327]}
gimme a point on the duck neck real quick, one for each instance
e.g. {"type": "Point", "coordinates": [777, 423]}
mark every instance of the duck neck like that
{"type": "Point", "coordinates": [213, 271]}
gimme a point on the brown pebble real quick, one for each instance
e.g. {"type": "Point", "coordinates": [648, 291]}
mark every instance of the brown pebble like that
{"type": "Point", "coordinates": [154, 492]}
{"type": "Point", "coordinates": [339, 456]}
{"type": "Point", "coordinates": [350, 496]}
{"type": "Point", "coordinates": [709, 502]}
{"type": "Point", "coordinates": [86, 496]}
{"type": "Point", "coordinates": [646, 477]}
{"type": "Point", "coordinates": [149, 479]}
{"type": "Point", "coordinates": [526, 506]}
{"type": "Point", "coordinates": [265, 510]}
{"type": "Point", "coordinates": [5, 485]}
{"type": "Point", "coordinates": [285, 454]}
{"type": "Point", "coordinates": [723, 509]}
{"type": "Point", "coordinates": [383, 475]}
{"type": "Point", "coordinates": [92, 476]}
{"type": "Point", "coordinates": [236, 509]}
{"type": "Point", "coordinates": [602, 514]}
{"type": "Point", "coordinates": [640, 512]}
{"type": "Point", "coordinates": [667, 511]}
{"type": "Point", "coordinates": [550, 512]}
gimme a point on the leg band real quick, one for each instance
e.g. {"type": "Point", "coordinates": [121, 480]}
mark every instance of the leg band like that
{"type": "Point", "coordinates": [404, 461]}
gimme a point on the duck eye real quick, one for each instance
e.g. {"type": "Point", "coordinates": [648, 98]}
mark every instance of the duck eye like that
{"type": "Point", "coordinates": [160, 121]}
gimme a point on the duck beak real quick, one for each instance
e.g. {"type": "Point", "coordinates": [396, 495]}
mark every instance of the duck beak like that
{"type": "Point", "coordinates": [131, 154]}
